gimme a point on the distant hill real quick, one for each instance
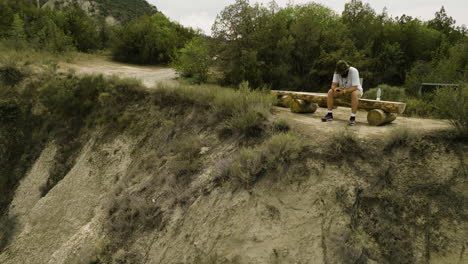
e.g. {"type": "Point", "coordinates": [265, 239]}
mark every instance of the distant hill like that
{"type": "Point", "coordinates": [115, 11]}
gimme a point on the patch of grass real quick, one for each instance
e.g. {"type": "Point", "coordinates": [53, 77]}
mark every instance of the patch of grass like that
{"type": "Point", "coordinates": [344, 145]}
{"type": "Point", "coordinates": [399, 138]}
{"type": "Point", "coordinates": [273, 157]}
{"type": "Point", "coordinates": [129, 214]}
{"type": "Point", "coordinates": [241, 111]}
{"type": "Point", "coordinates": [281, 126]}
{"type": "Point", "coordinates": [187, 160]}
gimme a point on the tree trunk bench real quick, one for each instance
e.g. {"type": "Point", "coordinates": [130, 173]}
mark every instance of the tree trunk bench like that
{"type": "Point", "coordinates": [379, 112]}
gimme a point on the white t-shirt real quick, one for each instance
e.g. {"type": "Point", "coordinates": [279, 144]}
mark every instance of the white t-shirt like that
{"type": "Point", "coordinates": [351, 80]}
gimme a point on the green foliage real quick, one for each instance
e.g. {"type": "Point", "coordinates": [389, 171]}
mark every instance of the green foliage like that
{"type": "Point", "coordinates": [49, 29]}
{"type": "Point", "coordinates": [194, 60]}
{"type": "Point", "coordinates": [150, 40]}
{"type": "Point", "coordinates": [17, 32]}
{"type": "Point", "coordinates": [450, 69]}
{"type": "Point", "coordinates": [388, 93]}
{"type": "Point", "coordinates": [296, 47]}
{"type": "Point", "coordinates": [419, 107]}
{"type": "Point", "coordinates": [82, 29]}
{"type": "Point", "coordinates": [274, 157]}
{"type": "Point", "coordinates": [452, 104]}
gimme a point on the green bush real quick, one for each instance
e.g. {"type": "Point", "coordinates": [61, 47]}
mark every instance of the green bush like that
{"type": "Point", "coordinates": [388, 93]}
{"type": "Point", "coordinates": [452, 104]}
{"type": "Point", "coordinates": [272, 157]}
{"type": "Point", "coordinates": [194, 60]}
{"type": "Point", "coordinates": [150, 40]}
{"type": "Point", "coordinates": [419, 108]}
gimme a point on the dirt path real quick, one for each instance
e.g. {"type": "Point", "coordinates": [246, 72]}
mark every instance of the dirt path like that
{"type": "Point", "coordinates": [307, 124]}
{"type": "Point", "coordinates": [149, 75]}
{"type": "Point", "coordinates": [311, 124]}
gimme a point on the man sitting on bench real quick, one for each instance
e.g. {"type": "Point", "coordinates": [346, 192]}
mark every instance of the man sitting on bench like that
{"type": "Point", "coordinates": [346, 85]}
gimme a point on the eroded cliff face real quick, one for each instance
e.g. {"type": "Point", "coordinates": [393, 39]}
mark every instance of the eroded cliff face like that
{"type": "Point", "coordinates": [137, 197]}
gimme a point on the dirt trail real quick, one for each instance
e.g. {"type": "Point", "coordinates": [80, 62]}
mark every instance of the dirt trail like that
{"type": "Point", "coordinates": [307, 124]}
{"type": "Point", "coordinates": [149, 75]}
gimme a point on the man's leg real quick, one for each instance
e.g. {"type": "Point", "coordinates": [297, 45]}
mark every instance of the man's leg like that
{"type": "Point", "coordinates": [355, 101]}
{"type": "Point", "coordinates": [354, 106]}
{"type": "Point", "coordinates": [330, 99]}
{"type": "Point", "coordinates": [329, 116]}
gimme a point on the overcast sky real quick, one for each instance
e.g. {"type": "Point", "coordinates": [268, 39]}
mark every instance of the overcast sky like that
{"type": "Point", "coordinates": [202, 13]}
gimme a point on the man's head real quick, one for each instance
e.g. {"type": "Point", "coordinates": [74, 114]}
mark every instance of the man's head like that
{"type": "Point", "coordinates": [342, 68]}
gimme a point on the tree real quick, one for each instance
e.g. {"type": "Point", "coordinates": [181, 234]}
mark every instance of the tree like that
{"type": "Point", "coordinates": [81, 28]}
{"type": "Point", "coordinates": [17, 32]}
{"type": "Point", "coordinates": [6, 18]}
{"type": "Point", "coordinates": [442, 22]}
{"type": "Point", "coordinates": [194, 60]}
{"type": "Point", "coordinates": [150, 40]}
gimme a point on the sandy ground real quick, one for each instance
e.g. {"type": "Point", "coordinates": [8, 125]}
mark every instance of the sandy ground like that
{"type": "Point", "coordinates": [307, 124]}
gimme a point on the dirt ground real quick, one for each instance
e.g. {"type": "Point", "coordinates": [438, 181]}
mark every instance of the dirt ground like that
{"type": "Point", "coordinates": [312, 125]}
{"type": "Point", "coordinates": [149, 75]}
{"type": "Point", "coordinates": [307, 124]}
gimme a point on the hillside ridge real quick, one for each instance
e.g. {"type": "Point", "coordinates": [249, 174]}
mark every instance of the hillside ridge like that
{"type": "Point", "coordinates": [115, 11]}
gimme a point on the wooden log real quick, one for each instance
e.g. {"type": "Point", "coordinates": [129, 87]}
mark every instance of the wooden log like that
{"type": "Point", "coordinates": [284, 101]}
{"type": "Point", "coordinates": [301, 106]}
{"type": "Point", "coordinates": [379, 117]}
{"type": "Point", "coordinates": [365, 104]}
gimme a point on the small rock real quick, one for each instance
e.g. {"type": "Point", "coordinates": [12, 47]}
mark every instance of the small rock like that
{"type": "Point", "coordinates": [204, 150]}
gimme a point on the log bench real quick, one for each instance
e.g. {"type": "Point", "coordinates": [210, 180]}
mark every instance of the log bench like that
{"type": "Point", "coordinates": [379, 112]}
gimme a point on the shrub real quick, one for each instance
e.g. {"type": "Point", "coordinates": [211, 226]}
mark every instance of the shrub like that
{"type": "Point", "coordinates": [419, 107]}
{"type": "Point", "coordinates": [452, 104]}
{"type": "Point", "coordinates": [187, 160]}
{"type": "Point", "coordinates": [128, 214]}
{"type": "Point", "coordinates": [150, 40]}
{"type": "Point", "coordinates": [389, 93]}
{"type": "Point", "coordinates": [194, 60]}
{"type": "Point", "coordinates": [272, 157]}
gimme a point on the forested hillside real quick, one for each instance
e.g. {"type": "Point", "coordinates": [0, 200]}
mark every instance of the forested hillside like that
{"type": "Point", "coordinates": [70, 27]}
{"type": "Point", "coordinates": [121, 10]}
{"type": "Point", "coordinates": [296, 47]}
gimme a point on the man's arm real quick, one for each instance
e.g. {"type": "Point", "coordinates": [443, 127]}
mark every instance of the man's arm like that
{"type": "Point", "coordinates": [334, 86]}
{"type": "Point", "coordinates": [352, 89]}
